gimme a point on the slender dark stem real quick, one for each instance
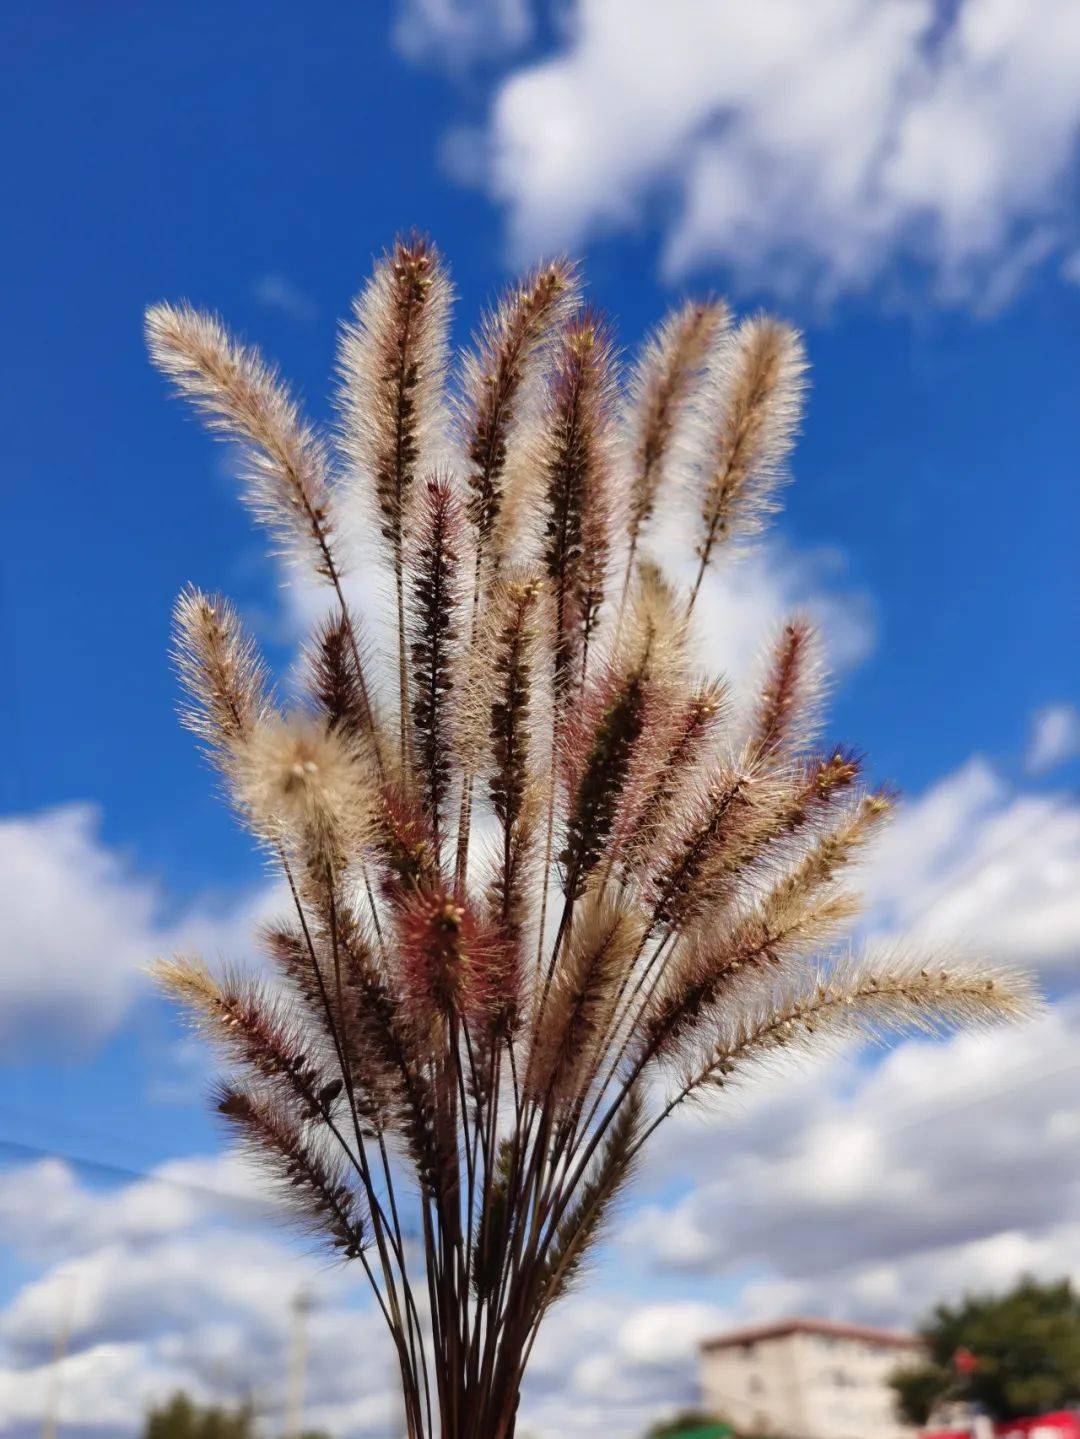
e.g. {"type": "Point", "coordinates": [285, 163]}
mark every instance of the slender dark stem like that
{"type": "Point", "coordinates": [377, 1215]}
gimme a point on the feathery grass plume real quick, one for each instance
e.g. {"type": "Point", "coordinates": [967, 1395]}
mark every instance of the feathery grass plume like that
{"type": "Point", "coordinates": [582, 1224]}
{"type": "Point", "coordinates": [680, 748]}
{"type": "Point", "coordinates": [256, 1031]}
{"type": "Point", "coordinates": [437, 1103]}
{"type": "Point", "coordinates": [661, 389]}
{"type": "Point", "coordinates": [440, 943]}
{"type": "Point", "coordinates": [756, 396]}
{"type": "Point", "coordinates": [506, 721]}
{"type": "Point", "coordinates": [245, 401]}
{"type": "Point", "coordinates": [392, 364]}
{"type": "Point", "coordinates": [577, 456]}
{"type": "Point", "coordinates": [791, 691]}
{"type": "Point", "coordinates": [512, 870]}
{"type": "Point", "coordinates": [604, 941]}
{"type": "Point", "coordinates": [651, 637]}
{"type": "Point", "coordinates": [303, 972]}
{"type": "Point", "coordinates": [435, 586]}
{"type": "Point", "coordinates": [654, 626]}
{"type": "Point", "coordinates": [337, 683]}
{"type": "Point", "coordinates": [404, 846]}
{"type": "Point", "coordinates": [303, 786]}
{"type": "Point", "coordinates": [836, 848]}
{"type": "Point", "coordinates": [699, 861]}
{"type": "Point", "coordinates": [311, 1181]}
{"type": "Point", "coordinates": [870, 996]}
{"type": "Point", "coordinates": [816, 784]}
{"type": "Point", "coordinates": [507, 348]}
{"type": "Point", "coordinates": [382, 1042]}
{"type": "Point", "coordinates": [323, 965]}
{"type": "Point", "coordinates": [510, 642]}
{"type": "Point", "coordinates": [599, 746]}
{"type": "Point", "coordinates": [222, 673]}
{"type": "Point", "coordinates": [699, 980]}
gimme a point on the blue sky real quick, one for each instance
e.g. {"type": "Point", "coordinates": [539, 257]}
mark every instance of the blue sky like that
{"type": "Point", "coordinates": [253, 159]}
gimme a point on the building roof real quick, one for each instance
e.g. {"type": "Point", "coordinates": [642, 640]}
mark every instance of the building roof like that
{"type": "Point", "coordinates": [781, 1328]}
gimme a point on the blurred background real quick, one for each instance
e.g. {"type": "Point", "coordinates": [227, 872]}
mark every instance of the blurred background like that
{"type": "Point", "coordinates": [899, 177]}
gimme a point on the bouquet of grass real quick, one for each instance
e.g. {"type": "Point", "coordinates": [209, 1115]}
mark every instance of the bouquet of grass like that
{"type": "Point", "coordinates": [547, 885]}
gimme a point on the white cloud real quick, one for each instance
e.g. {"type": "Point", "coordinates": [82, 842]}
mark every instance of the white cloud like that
{"type": "Point", "coordinates": [278, 292]}
{"type": "Point", "coordinates": [871, 1194]}
{"type": "Point", "coordinates": [168, 1283]}
{"type": "Point", "coordinates": [741, 605]}
{"type": "Point", "coordinates": [172, 1281]}
{"type": "Point", "coordinates": [78, 927]}
{"type": "Point", "coordinates": [77, 924]}
{"type": "Point", "coordinates": [976, 864]}
{"type": "Point", "coordinates": [456, 33]}
{"type": "Point", "coordinates": [802, 145]}
{"type": "Point", "coordinates": [1055, 738]}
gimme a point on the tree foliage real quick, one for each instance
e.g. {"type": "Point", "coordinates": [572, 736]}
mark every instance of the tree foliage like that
{"type": "Point", "coordinates": [1024, 1347]}
{"type": "Point", "coordinates": [689, 1422]}
{"type": "Point", "coordinates": [182, 1418]}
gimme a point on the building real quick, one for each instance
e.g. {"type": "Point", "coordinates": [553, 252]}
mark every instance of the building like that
{"type": "Point", "coordinates": [806, 1379]}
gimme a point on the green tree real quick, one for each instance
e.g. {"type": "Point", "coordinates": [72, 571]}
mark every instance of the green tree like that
{"type": "Point", "coordinates": [182, 1418]}
{"type": "Point", "coordinates": [690, 1424]}
{"type": "Point", "coordinates": [1011, 1354]}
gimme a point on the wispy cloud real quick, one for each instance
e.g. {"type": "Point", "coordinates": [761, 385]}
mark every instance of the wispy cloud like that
{"type": "Point", "coordinates": [823, 147]}
{"type": "Point", "coordinates": [1055, 738]}
{"type": "Point", "coordinates": [454, 34]}
{"type": "Point", "coordinates": [277, 292]}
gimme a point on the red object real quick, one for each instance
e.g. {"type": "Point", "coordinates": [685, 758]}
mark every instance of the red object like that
{"type": "Point", "coordinates": [964, 1362]}
{"type": "Point", "coordinates": [1043, 1426]}
{"type": "Point", "coordinates": [1062, 1425]}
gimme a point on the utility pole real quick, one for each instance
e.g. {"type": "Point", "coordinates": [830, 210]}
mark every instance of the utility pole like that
{"type": "Point", "coordinates": [51, 1424]}
{"type": "Point", "coordinates": [294, 1410]}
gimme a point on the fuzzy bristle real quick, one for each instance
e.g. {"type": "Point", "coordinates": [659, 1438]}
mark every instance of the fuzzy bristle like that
{"type": "Point", "coordinates": [700, 861]}
{"type": "Point", "coordinates": [255, 1030]}
{"type": "Point", "coordinates": [245, 401]}
{"type": "Point", "coordinates": [224, 677]}
{"type": "Point", "coordinates": [510, 343]}
{"type": "Point", "coordinates": [872, 996]}
{"type": "Point", "coordinates": [661, 387]}
{"type": "Point", "coordinates": [678, 748]}
{"type": "Point", "coordinates": [791, 691]}
{"type": "Point", "coordinates": [338, 684]}
{"type": "Point", "coordinates": [605, 939]}
{"type": "Point", "coordinates": [435, 600]}
{"type": "Point", "coordinates": [392, 362]}
{"type": "Point", "coordinates": [756, 391]}
{"type": "Point", "coordinates": [444, 953]}
{"type": "Point", "coordinates": [310, 1179]}
{"type": "Point", "coordinates": [302, 783]}
{"type": "Point", "coordinates": [577, 468]}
